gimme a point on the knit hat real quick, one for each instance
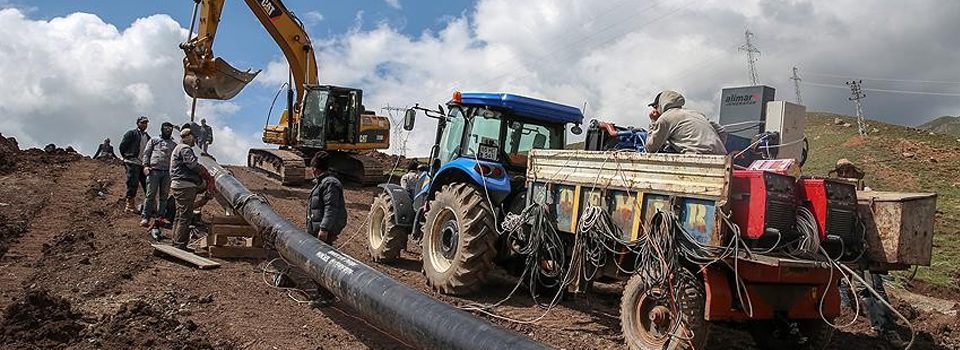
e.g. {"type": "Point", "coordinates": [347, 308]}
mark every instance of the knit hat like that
{"type": "Point", "coordinates": [185, 132]}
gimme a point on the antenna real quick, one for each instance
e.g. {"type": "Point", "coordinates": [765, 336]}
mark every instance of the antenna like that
{"type": "Point", "coordinates": [796, 84]}
{"type": "Point", "coordinates": [857, 95]}
{"type": "Point", "coordinates": [752, 54]}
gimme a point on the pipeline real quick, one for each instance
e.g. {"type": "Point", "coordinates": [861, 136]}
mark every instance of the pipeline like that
{"type": "Point", "coordinates": [414, 317]}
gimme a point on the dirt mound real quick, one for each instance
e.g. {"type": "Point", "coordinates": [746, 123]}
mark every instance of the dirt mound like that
{"type": "Point", "coordinates": [69, 242]}
{"type": "Point", "coordinates": [8, 154]}
{"type": "Point", "coordinates": [39, 321]}
{"type": "Point", "coordinates": [141, 325]}
{"type": "Point", "coordinates": [387, 160]}
{"type": "Point", "coordinates": [10, 230]}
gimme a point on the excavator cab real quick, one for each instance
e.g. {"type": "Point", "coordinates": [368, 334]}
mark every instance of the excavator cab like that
{"type": "Point", "coordinates": [330, 116]}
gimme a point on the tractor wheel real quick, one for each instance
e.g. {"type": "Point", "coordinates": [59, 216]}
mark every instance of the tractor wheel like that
{"type": "Point", "coordinates": [652, 320]}
{"type": "Point", "coordinates": [458, 240]}
{"type": "Point", "coordinates": [791, 335]}
{"type": "Point", "coordinates": [385, 238]}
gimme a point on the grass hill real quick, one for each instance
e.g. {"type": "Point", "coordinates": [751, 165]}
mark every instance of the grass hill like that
{"type": "Point", "coordinates": [946, 125]}
{"type": "Point", "coordinates": [896, 158]}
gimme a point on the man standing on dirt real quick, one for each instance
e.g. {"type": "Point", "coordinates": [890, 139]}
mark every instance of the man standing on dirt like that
{"type": "Point", "coordinates": [105, 151]}
{"type": "Point", "coordinates": [410, 180]}
{"type": "Point", "coordinates": [186, 182]}
{"type": "Point", "coordinates": [206, 135]}
{"type": "Point", "coordinates": [326, 211]}
{"type": "Point", "coordinates": [156, 166]}
{"type": "Point", "coordinates": [684, 130]}
{"type": "Point", "coordinates": [131, 149]}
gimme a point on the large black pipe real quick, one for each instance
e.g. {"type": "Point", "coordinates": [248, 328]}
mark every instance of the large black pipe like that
{"type": "Point", "coordinates": [418, 319]}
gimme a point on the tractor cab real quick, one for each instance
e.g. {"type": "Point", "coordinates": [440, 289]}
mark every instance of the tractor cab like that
{"type": "Point", "coordinates": [484, 139]}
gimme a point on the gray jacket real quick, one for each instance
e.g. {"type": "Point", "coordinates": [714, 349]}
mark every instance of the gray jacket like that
{"type": "Point", "coordinates": [184, 168]}
{"type": "Point", "coordinates": [686, 130]}
{"type": "Point", "coordinates": [325, 208]}
{"type": "Point", "coordinates": [157, 153]}
{"type": "Point", "coordinates": [206, 134]}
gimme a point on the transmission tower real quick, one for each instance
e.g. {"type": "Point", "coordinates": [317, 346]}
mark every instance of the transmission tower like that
{"type": "Point", "coordinates": [796, 84]}
{"type": "Point", "coordinates": [857, 95]}
{"type": "Point", "coordinates": [752, 53]}
{"type": "Point", "coordinates": [399, 134]}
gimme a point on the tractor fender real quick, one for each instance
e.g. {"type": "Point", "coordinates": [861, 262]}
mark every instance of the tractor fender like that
{"type": "Point", "coordinates": [402, 204]}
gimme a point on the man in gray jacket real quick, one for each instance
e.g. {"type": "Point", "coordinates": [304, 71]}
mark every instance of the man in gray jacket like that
{"type": "Point", "coordinates": [156, 166]}
{"type": "Point", "coordinates": [683, 130]}
{"type": "Point", "coordinates": [186, 182]}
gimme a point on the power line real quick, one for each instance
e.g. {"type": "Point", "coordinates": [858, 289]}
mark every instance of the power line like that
{"type": "Point", "coordinates": [796, 84]}
{"type": "Point", "coordinates": [752, 53]}
{"type": "Point", "coordinates": [885, 79]}
{"type": "Point", "coordinates": [857, 95]}
{"type": "Point", "coordinates": [930, 93]}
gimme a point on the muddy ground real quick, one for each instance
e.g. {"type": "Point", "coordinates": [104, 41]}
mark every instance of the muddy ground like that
{"type": "Point", "coordinates": [76, 272]}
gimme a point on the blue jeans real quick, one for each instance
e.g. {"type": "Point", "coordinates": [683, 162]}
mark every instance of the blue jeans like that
{"type": "Point", "coordinates": [158, 183]}
{"type": "Point", "coordinates": [881, 318]}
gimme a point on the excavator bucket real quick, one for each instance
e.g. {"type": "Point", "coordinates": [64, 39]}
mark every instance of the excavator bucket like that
{"type": "Point", "coordinates": [217, 81]}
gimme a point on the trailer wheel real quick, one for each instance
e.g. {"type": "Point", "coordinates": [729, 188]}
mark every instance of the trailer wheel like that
{"type": "Point", "coordinates": [385, 239]}
{"type": "Point", "coordinates": [791, 335]}
{"type": "Point", "coordinates": [459, 240]}
{"type": "Point", "coordinates": [650, 320]}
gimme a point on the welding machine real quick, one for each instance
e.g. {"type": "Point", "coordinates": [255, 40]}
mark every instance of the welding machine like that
{"type": "Point", "coordinates": [764, 207]}
{"type": "Point", "coordinates": [834, 205]}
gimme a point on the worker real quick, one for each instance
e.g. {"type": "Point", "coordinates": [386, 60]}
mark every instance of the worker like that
{"type": "Point", "coordinates": [326, 211]}
{"type": "Point", "coordinates": [186, 182]}
{"type": "Point", "coordinates": [131, 149]}
{"type": "Point", "coordinates": [206, 137]}
{"type": "Point", "coordinates": [410, 180]}
{"type": "Point", "coordinates": [682, 130]}
{"type": "Point", "coordinates": [882, 319]}
{"type": "Point", "coordinates": [105, 151]}
{"type": "Point", "coordinates": [156, 166]}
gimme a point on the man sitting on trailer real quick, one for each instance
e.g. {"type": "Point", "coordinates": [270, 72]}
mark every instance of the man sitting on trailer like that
{"type": "Point", "coordinates": [682, 130]}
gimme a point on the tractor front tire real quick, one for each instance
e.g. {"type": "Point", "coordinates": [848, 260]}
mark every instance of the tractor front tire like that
{"type": "Point", "coordinates": [384, 238]}
{"type": "Point", "coordinates": [459, 240]}
{"type": "Point", "coordinates": [651, 320]}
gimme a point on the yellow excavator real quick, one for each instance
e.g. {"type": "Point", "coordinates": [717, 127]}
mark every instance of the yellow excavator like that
{"type": "Point", "coordinates": [319, 117]}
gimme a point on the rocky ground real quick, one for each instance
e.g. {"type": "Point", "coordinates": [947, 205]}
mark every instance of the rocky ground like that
{"type": "Point", "coordinates": [76, 272]}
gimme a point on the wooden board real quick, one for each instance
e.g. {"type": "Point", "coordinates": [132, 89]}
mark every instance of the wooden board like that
{"type": "Point", "coordinates": [243, 230]}
{"type": "Point", "coordinates": [201, 262]}
{"type": "Point", "coordinates": [237, 252]}
{"type": "Point", "coordinates": [228, 219]}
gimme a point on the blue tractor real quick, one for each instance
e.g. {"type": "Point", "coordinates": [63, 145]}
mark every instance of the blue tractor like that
{"type": "Point", "coordinates": [477, 170]}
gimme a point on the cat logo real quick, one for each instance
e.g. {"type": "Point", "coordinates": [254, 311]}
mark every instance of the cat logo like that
{"type": "Point", "coordinates": [270, 8]}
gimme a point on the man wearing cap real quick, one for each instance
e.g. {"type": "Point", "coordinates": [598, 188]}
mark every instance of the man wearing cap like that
{"type": "Point", "coordinates": [185, 182]}
{"type": "Point", "coordinates": [131, 149]}
{"type": "Point", "coordinates": [206, 135]}
{"type": "Point", "coordinates": [683, 130]}
{"type": "Point", "coordinates": [156, 166]}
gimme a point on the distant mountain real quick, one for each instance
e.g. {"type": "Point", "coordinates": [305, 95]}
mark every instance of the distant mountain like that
{"type": "Point", "coordinates": [944, 125]}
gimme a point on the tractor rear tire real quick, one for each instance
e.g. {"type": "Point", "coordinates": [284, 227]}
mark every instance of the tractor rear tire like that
{"type": "Point", "coordinates": [648, 319]}
{"type": "Point", "coordinates": [459, 240]}
{"type": "Point", "coordinates": [384, 238]}
{"type": "Point", "coordinates": [812, 334]}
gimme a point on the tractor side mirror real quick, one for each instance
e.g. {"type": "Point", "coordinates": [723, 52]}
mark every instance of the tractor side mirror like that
{"type": "Point", "coordinates": [409, 118]}
{"type": "Point", "coordinates": [576, 130]}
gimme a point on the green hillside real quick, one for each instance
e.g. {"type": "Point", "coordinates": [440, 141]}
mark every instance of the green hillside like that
{"type": "Point", "coordinates": [896, 158]}
{"type": "Point", "coordinates": [944, 125]}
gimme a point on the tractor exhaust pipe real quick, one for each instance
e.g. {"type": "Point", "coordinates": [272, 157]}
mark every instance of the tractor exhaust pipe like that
{"type": "Point", "coordinates": [417, 319]}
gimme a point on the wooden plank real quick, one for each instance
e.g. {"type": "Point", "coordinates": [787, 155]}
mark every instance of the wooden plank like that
{"type": "Point", "coordinates": [238, 252]}
{"type": "Point", "coordinates": [233, 230]}
{"type": "Point", "coordinates": [228, 219]}
{"type": "Point", "coordinates": [200, 262]}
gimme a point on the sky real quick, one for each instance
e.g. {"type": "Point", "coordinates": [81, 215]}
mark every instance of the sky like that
{"type": "Point", "coordinates": [76, 72]}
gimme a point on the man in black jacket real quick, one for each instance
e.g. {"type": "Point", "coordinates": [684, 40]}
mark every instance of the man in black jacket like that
{"type": "Point", "coordinates": [131, 149]}
{"type": "Point", "coordinates": [105, 151]}
{"type": "Point", "coordinates": [326, 212]}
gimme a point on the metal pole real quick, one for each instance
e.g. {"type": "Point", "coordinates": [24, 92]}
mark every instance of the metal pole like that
{"type": "Point", "coordinates": [193, 22]}
{"type": "Point", "coordinates": [416, 318]}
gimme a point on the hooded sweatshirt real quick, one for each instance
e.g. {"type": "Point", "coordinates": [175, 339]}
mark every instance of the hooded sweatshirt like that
{"type": "Point", "coordinates": [686, 130]}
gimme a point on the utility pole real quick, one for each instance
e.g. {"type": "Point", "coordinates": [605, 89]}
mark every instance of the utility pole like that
{"type": "Point", "coordinates": [752, 53]}
{"type": "Point", "coordinates": [796, 84]}
{"type": "Point", "coordinates": [857, 95]}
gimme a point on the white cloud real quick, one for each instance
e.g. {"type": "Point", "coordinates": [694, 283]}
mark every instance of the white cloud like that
{"type": "Point", "coordinates": [393, 3]}
{"type": "Point", "coordinates": [312, 18]}
{"type": "Point", "coordinates": [616, 55]}
{"type": "Point", "coordinates": [76, 80]}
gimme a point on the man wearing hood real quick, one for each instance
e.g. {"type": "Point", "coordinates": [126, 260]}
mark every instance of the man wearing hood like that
{"type": "Point", "coordinates": [684, 130]}
{"type": "Point", "coordinates": [156, 166]}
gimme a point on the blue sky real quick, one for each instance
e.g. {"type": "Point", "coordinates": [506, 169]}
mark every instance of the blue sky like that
{"type": "Point", "coordinates": [243, 42]}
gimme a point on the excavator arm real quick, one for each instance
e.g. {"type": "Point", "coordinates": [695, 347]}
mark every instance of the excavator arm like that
{"type": "Point", "coordinates": [210, 77]}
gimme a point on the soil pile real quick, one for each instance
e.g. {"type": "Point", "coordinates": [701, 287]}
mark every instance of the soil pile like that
{"type": "Point", "coordinates": [39, 321]}
{"type": "Point", "coordinates": [8, 154]}
{"type": "Point", "coordinates": [141, 325]}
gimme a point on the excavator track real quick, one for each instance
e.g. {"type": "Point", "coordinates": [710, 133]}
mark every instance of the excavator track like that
{"type": "Point", "coordinates": [357, 168]}
{"type": "Point", "coordinates": [285, 165]}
